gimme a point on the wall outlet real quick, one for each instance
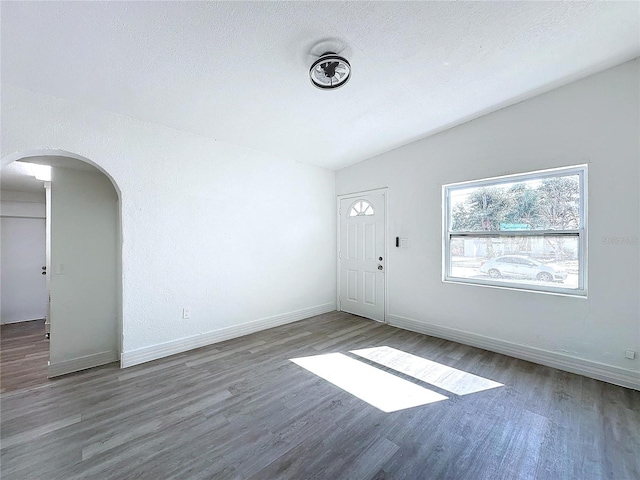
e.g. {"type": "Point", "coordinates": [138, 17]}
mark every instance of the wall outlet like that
{"type": "Point", "coordinates": [630, 354]}
{"type": "Point", "coordinates": [186, 312]}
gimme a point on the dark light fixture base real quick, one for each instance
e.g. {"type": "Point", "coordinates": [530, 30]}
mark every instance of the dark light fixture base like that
{"type": "Point", "coordinates": [330, 71]}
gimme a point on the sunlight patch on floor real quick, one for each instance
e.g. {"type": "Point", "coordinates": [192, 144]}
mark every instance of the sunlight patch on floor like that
{"type": "Point", "coordinates": [376, 387]}
{"type": "Point", "coordinates": [439, 375]}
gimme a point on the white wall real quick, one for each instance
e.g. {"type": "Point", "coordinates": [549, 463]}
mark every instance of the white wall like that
{"type": "Point", "coordinates": [22, 247]}
{"type": "Point", "coordinates": [22, 204]}
{"type": "Point", "coordinates": [21, 196]}
{"type": "Point", "coordinates": [84, 265]}
{"type": "Point", "coordinates": [594, 121]}
{"type": "Point", "coordinates": [235, 234]}
{"type": "Point", "coordinates": [22, 209]}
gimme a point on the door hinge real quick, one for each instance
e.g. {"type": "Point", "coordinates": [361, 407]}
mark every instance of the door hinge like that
{"type": "Point", "coordinates": [339, 298]}
{"type": "Point", "coordinates": [339, 254]}
{"type": "Point", "coordinates": [339, 211]}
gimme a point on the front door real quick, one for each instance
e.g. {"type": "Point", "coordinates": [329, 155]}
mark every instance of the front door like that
{"type": "Point", "coordinates": [362, 255]}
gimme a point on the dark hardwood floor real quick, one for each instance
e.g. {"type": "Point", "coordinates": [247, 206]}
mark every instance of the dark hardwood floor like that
{"type": "Point", "coordinates": [24, 355]}
{"type": "Point", "coordinates": [242, 410]}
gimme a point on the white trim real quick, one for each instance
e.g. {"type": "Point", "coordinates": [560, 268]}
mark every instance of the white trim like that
{"type": "Point", "coordinates": [82, 363]}
{"type": "Point", "coordinates": [599, 371]}
{"type": "Point", "coordinates": [338, 257]}
{"type": "Point", "coordinates": [517, 233]}
{"type": "Point", "coordinates": [154, 352]}
{"type": "Point", "coordinates": [537, 174]}
{"type": "Point", "coordinates": [583, 248]}
{"type": "Point", "coordinates": [23, 320]}
{"type": "Point", "coordinates": [4, 214]}
{"type": "Point", "coordinates": [516, 287]}
{"type": "Point", "coordinates": [362, 193]}
{"type": "Point", "coordinates": [385, 193]}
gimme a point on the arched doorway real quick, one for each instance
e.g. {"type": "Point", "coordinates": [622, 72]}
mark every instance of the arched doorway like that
{"type": "Point", "coordinates": [85, 261]}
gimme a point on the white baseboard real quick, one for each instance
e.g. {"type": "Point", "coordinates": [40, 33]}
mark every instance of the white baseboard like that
{"type": "Point", "coordinates": [599, 371]}
{"type": "Point", "coordinates": [82, 363]}
{"type": "Point", "coordinates": [147, 354]}
{"type": "Point", "coordinates": [21, 321]}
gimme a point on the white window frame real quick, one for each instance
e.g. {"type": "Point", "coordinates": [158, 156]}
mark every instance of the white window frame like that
{"type": "Point", "coordinates": [581, 233]}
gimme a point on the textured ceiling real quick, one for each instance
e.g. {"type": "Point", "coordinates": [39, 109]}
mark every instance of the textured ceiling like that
{"type": "Point", "coordinates": [237, 71]}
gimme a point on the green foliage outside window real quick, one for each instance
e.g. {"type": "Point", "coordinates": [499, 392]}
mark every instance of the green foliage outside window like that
{"type": "Point", "coordinates": [548, 204]}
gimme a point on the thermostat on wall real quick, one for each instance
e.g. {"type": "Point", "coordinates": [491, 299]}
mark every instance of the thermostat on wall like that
{"type": "Point", "coordinates": [402, 242]}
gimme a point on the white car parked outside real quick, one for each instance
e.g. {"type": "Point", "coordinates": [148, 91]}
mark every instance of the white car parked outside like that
{"type": "Point", "coordinates": [519, 266]}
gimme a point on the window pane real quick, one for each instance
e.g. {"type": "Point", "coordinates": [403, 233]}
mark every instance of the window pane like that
{"type": "Point", "coordinates": [361, 207]}
{"type": "Point", "coordinates": [527, 260]}
{"type": "Point", "coordinates": [551, 203]}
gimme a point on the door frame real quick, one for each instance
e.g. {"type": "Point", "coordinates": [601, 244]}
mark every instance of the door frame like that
{"type": "Point", "coordinates": [339, 198]}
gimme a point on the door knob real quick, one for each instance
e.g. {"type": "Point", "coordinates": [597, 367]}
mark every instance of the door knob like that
{"type": "Point", "coordinates": [44, 268]}
{"type": "Point", "coordinates": [380, 267]}
{"type": "Point", "coordinates": [380, 258]}
{"type": "Point", "coordinates": [44, 273]}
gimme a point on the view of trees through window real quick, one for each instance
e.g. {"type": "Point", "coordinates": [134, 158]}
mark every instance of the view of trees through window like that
{"type": "Point", "coordinates": [548, 204]}
{"type": "Point", "coordinates": [503, 212]}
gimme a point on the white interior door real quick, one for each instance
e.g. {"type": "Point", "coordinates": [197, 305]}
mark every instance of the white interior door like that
{"type": "Point", "coordinates": [362, 255]}
{"type": "Point", "coordinates": [24, 289]}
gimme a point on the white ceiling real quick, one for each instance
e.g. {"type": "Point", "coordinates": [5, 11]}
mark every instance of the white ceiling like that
{"type": "Point", "coordinates": [60, 161]}
{"type": "Point", "coordinates": [237, 71]}
{"type": "Point", "coordinates": [17, 177]}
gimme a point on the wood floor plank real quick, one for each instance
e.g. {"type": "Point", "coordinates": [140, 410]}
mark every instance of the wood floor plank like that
{"type": "Point", "coordinates": [33, 434]}
{"type": "Point", "coordinates": [217, 355]}
{"type": "Point", "coordinates": [242, 409]}
{"type": "Point", "coordinates": [24, 355]}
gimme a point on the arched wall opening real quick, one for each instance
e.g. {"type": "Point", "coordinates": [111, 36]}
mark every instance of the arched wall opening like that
{"type": "Point", "coordinates": [48, 152]}
{"type": "Point", "coordinates": [86, 220]}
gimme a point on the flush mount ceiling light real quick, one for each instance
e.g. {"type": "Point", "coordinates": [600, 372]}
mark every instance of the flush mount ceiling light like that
{"type": "Point", "coordinates": [41, 172]}
{"type": "Point", "coordinates": [330, 71]}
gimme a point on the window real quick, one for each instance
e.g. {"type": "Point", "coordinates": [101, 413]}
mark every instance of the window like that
{"type": "Point", "coordinates": [360, 208]}
{"type": "Point", "coordinates": [521, 231]}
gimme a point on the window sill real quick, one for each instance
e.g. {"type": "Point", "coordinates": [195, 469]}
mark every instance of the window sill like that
{"type": "Point", "coordinates": [562, 292]}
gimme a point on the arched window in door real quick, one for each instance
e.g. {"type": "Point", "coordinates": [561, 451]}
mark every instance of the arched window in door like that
{"type": "Point", "coordinates": [361, 208]}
